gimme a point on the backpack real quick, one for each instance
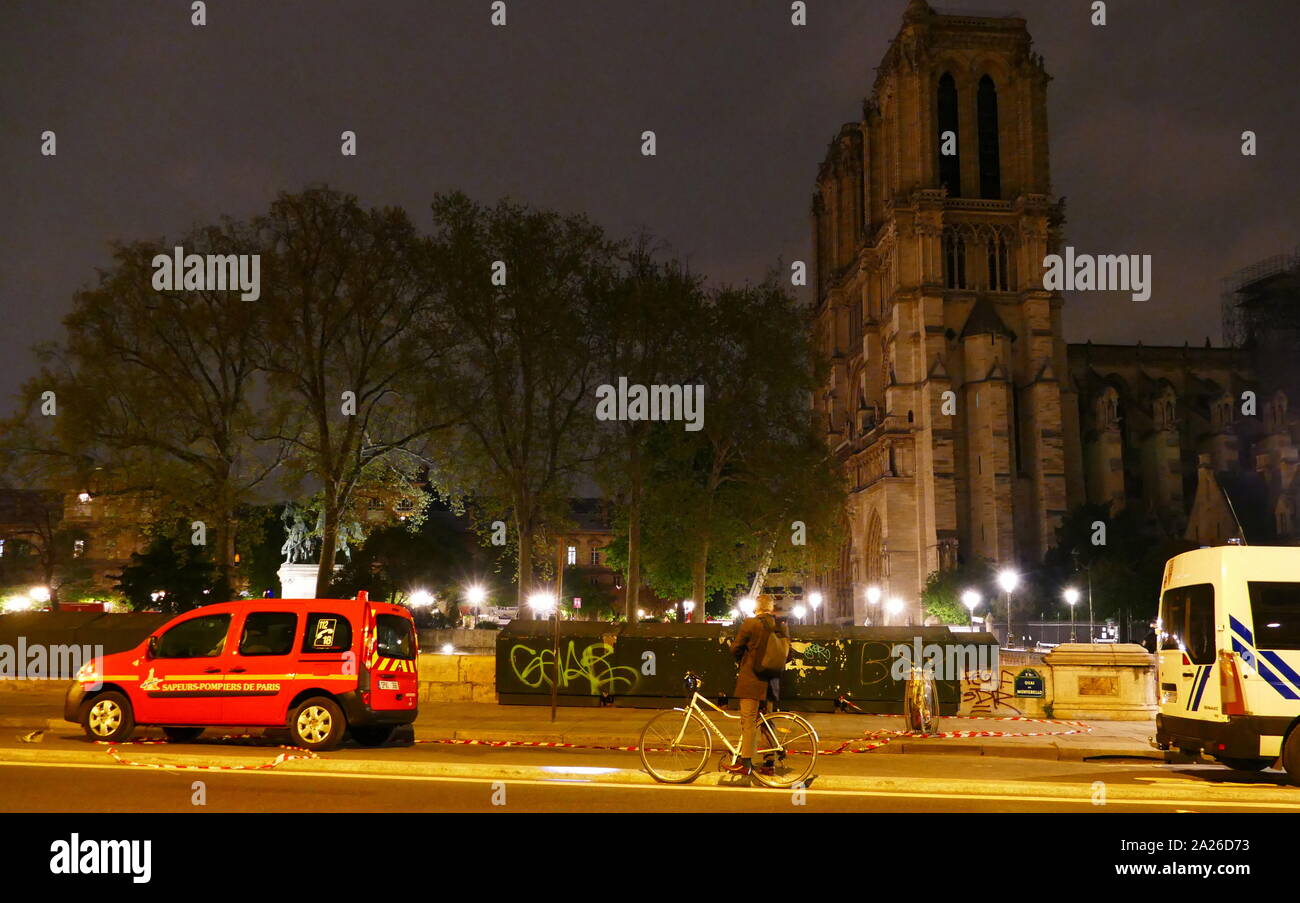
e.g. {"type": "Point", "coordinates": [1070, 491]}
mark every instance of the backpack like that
{"type": "Point", "coordinates": [772, 654]}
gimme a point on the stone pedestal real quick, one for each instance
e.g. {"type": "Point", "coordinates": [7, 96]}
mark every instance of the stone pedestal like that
{"type": "Point", "coordinates": [1102, 681]}
{"type": "Point", "coordinates": [298, 581]}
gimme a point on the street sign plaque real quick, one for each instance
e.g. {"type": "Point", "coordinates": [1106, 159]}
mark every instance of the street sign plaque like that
{"type": "Point", "coordinates": [1029, 683]}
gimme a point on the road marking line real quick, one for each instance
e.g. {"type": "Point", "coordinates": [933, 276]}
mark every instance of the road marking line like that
{"type": "Point", "coordinates": [608, 785]}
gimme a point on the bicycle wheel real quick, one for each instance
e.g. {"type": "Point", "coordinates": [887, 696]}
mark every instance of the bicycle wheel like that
{"type": "Point", "coordinates": [789, 743]}
{"type": "Point", "coordinates": [675, 746]}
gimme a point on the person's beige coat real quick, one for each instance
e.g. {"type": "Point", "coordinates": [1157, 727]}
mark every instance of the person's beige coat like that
{"type": "Point", "coordinates": [745, 648]}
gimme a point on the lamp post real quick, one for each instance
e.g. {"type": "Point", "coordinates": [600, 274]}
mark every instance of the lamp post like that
{"type": "Point", "coordinates": [799, 612]}
{"type": "Point", "coordinates": [893, 607]}
{"type": "Point", "coordinates": [815, 600]}
{"type": "Point", "coordinates": [1071, 597]}
{"type": "Point", "coordinates": [1008, 580]}
{"type": "Point", "coordinates": [873, 599]}
{"type": "Point", "coordinates": [544, 604]}
{"type": "Point", "coordinates": [971, 600]}
{"type": "Point", "coordinates": [475, 595]}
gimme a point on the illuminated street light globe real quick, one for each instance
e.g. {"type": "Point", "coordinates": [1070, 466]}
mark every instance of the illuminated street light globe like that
{"type": "Point", "coordinates": [970, 599]}
{"type": "Point", "coordinates": [1008, 580]}
{"type": "Point", "coordinates": [421, 598]}
{"type": "Point", "coordinates": [815, 600]}
{"type": "Point", "coordinates": [746, 606]}
{"type": "Point", "coordinates": [800, 611]}
{"type": "Point", "coordinates": [39, 593]}
{"type": "Point", "coordinates": [873, 594]}
{"type": "Point", "coordinates": [1071, 595]}
{"type": "Point", "coordinates": [542, 602]}
{"type": "Point", "coordinates": [475, 595]}
{"type": "Point", "coordinates": [894, 606]}
{"type": "Point", "coordinates": [688, 606]}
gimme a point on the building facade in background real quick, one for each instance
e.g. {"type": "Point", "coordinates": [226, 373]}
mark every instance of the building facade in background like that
{"type": "Point", "coordinates": [965, 424]}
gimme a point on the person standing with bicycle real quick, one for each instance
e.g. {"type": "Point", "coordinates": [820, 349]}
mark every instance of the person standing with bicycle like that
{"type": "Point", "coordinates": [753, 688]}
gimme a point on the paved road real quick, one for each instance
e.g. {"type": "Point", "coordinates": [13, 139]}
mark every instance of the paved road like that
{"type": "Point", "coordinates": [110, 788]}
{"type": "Point", "coordinates": [548, 780]}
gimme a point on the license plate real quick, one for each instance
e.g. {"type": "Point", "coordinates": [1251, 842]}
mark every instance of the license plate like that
{"type": "Point", "coordinates": [388, 685]}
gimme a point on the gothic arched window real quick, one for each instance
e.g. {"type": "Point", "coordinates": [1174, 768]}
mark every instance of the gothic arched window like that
{"type": "Point", "coordinates": [954, 254]}
{"type": "Point", "coordinates": [949, 164]}
{"type": "Point", "coordinates": [987, 118]}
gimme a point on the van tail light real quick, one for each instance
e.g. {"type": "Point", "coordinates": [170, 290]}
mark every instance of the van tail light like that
{"type": "Point", "coordinates": [1230, 689]}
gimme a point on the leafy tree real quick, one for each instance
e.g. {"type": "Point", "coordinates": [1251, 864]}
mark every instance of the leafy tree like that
{"type": "Point", "coordinates": [943, 590]}
{"type": "Point", "coordinates": [518, 383]}
{"type": "Point", "coordinates": [646, 334]}
{"type": "Point", "coordinates": [343, 294]}
{"type": "Point", "coordinates": [157, 389]}
{"type": "Point", "coordinates": [182, 572]}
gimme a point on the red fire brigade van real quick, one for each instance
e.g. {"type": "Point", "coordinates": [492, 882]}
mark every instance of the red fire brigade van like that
{"type": "Point", "coordinates": [320, 667]}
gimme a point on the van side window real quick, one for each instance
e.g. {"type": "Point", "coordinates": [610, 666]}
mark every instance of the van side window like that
{"type": "Point", "coordinates": [1187, 619]}
{"type": "Point", "coordinates": [1275, 609]}
{"type": "Point", "coordinates": [327, 633]}
{"type": "Point", "coordinates": [268, 633]}
{"type": "Point", "coordinates": [203, 637]}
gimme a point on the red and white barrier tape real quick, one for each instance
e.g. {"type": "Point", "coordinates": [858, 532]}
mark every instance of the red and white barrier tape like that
{"type": "Point", "coordinates": [291, 752]}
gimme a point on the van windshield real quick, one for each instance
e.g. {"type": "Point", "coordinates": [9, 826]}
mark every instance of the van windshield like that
{"type": "Point", "coordinates": [1275, 609]}
{"type": "Point", "coordinates": [394, 638]}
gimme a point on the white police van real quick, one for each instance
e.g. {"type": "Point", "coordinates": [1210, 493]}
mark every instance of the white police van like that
{"type": "Point", "coordinates": [1229, 656]}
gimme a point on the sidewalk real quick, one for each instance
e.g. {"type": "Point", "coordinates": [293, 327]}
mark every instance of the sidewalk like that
{"type": "Point", "coordinates": [618, 727]}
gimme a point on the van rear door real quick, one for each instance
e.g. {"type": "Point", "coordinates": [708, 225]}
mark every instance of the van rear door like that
{"type": "Point", "coordinates": [1189, 681]}
{"type": "Point", "coordinates": [391, 660]}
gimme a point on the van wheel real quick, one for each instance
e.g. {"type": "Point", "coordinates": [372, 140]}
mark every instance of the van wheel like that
{"type": "Point", "coordinates": [317, 723]}
{"type": "Point", "coordinates": [107, 717]}
{"type": "Point", "coordinates": [372, 736]}
{"type": "Point", "coordinates": [1247, 764]}
{"type": "Point", "coordinates": [1291, 756]}
{"type": "Point", "coordinates": [182, 734]}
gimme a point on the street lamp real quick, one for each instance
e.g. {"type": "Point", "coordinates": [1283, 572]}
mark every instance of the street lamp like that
{"type": "Point", "coordinates": [746, 606]}
{"type": "Point", "coordinates": [873, 598]}
{"type": "Point", "coordinates": [1008, 580]}
{"type": "Point", "coordinates": [971, 599]}
{"type": "Point", "coordinates": [543, 603]}
{"type": "Point", "coordinates": [815, 600]}
{"type": "Point", "coordinates": [1071, 597]}
{"type": "Point", "coordinates": [799, 612]}
{"type": "Point", "coordinates": [475, 595]}
{"type": "Point", "coordinates": [39, 593]}
{"type": "Point", "coordinates": [421, 598]}
{"type": "Point", "coordinates": [688, 606]}
{"type": "Point", "coordinates": [894, 606]}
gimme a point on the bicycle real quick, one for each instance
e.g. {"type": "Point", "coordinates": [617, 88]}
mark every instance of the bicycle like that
{"type": "Point", "coordinates": [676, 744]}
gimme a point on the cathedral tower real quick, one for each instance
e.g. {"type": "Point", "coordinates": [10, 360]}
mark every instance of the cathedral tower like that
{"type": "Point", "coordinates": [948, 401]}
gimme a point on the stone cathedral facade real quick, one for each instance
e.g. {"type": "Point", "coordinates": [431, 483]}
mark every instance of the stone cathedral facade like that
{"type": "Point", "coordinates": [965, 425]}
{"type": "Point", "coordinates": [947, 401]}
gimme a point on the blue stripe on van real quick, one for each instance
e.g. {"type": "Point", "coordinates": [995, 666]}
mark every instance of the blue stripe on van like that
{"type": "Point", "coordinates": [1276, 683]}
{"type": "Point", "coordinates": [1241, 629]}
{"type": "Point", "coordinates": [1205, 679]}
{"type": "Point", "coordinates": [1283, 668]}
{"type": "Point", "coordinates": [1247, 654]}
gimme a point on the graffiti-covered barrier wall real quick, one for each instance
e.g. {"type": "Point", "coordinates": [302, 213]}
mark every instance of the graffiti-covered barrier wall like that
{"type": "Point", "coordinates": [644, 664]}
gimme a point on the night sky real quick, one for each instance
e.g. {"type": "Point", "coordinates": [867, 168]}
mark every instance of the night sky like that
{"type": "Point", "coordinates": [162, 126]}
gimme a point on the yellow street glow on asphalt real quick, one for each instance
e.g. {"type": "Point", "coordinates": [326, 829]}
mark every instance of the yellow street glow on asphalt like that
{"type": "Point", "coordinates": [686, 788]}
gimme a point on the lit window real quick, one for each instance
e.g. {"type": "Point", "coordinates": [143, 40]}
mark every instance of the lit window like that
{"type": "Point", "coordinates": [78, 548]}
{"type": "Point", "coordinates": [573, 555]}
{"type": "Point", "coordinates": [83, 497]}
{"type": "Point", "coordinates": [405, 505]}
{"type": "Point", "coordinates": [374, 503]}
{"type": "Point", "coordinates": [2, 548]}
{"type": "Point", "coordinates": [595, 557]}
